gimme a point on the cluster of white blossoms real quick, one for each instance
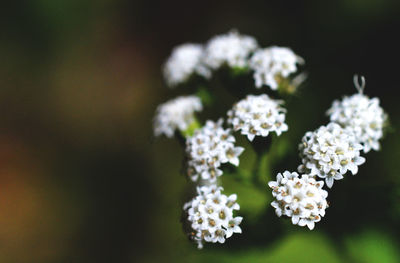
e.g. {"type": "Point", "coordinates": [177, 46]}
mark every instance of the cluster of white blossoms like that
{"type": "Point", "coordinates": [329, 152]}
{"type": "Point", "coordinates": [258, 116]}
{"type": "Point", "coordinates": [176, 114]}
{"type": "Point", "coordinates": [362, 116]}
{"type": "Point", "coordinates": [208, 148]}
{"type": "Point", "coordinates": [185, 61]}
{"type": "Point", "coordinates": [232, 49]}
{"type": "Point", "coordinates": [301, 198]}
{"type": "Point", "coordinates": [210, 214]}
{"type": "Point", "coordinates": [272, 64]}
{"type": "Point", "coordinates": [269, 65]}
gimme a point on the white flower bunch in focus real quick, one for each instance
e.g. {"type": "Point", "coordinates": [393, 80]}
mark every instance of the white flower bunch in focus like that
{"type": "Point", "coordinates": [362, 116]}
{"type": "Point", "coordinates": [301, 198]}
{"type": "Point", "coordinates": [210, 214]}
{"type": "Point", "coordinates": [208, 148]}
{"type": "Point", "coordinates": [258, 116]}
{"type": "Point", "coordinates": [329, 152]}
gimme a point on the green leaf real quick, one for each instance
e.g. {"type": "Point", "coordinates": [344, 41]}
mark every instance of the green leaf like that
{"type": "Point", "coordinates": [253, 200]}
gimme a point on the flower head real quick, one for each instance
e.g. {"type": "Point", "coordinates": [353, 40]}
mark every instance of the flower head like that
{"type": "Point", "coordinates": [176, 114]}
{"type": "Point", "coordinates": [258, 116]}
{"type": "Point", "coordinates": [232, 49]}
{"type": "Point", "coordinates": [301, 198]}
{"type": "Point", "coordinates": [210, 214]}
{"type": "Point", "coordinates": [363, 116]}
{"type": "Point", "coordinates": [208, 148]}
{"type": "Point", "coordinates": [184, 61]}
{"type": "Point", "coordinates": [329, 152]}
{"type": "Point", "coordinates": [272, 63]}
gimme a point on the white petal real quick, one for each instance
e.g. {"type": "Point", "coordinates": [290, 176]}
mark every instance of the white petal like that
{"type": "Point", "coordinates": [329, 181]}
{"type": "Point", "coordinates": [311, 225]}
{"type": "Point", "coordinates": [250, 137]}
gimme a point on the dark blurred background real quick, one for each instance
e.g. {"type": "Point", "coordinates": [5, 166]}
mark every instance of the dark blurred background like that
{"type": "Point", "coordinates": [82, 179]}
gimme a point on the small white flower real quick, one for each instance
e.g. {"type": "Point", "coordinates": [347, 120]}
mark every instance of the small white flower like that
{"type": "Point", "coordinates": [231, 202]}
{"type": "Point", "coordinates": [232, 49]}
{"type": "Point", "coordinates": [208, 148]}
{"type": "Point", "coordinates": [301, 198]}
{"type": "Point", "coordinates": [210, 215]}
{"type": "Point", "coordinates": [233, 226]}
{"type": "Point", "coordinates": [176, 114]}
{"type": "Point", "coordinates": [184, 61]}
{"type": "Point", "coordinates": [329, 152]}
{"type": "Point", "coordinates": [269, 64]}
{"type": "Point", "coordinates": [258, 116]}
{"type": "Point", "coordinates": [362, 116]}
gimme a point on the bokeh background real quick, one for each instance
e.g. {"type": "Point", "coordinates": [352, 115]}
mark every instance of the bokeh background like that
{"type": "Point", "coordinates": [83, 180]}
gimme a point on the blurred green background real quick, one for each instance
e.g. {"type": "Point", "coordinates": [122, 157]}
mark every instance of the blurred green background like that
{"type": "Point", "coordinates": [83, 180]}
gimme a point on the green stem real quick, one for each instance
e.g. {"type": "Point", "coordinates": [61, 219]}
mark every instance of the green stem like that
{"type": "Point", "coordinates": [260, 169]}
{"type": "Point", "coordinates": [256, 170]}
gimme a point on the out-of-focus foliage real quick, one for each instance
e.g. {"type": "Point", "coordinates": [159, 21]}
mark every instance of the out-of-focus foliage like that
{"type": "Point", "coordinates": [375, 247]}
{"type": "Point", "coordinates": [82, 179]}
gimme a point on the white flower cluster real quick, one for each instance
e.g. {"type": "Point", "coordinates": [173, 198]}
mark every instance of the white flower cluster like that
{"type": "Point", "coordinates": [210, 214]}
{"type": "Point", "coordinates": [271, 64]}
{"type": "Point", "coordinates": [232, 49]}
{"type": "Point", "coordinates": [258, 116]}
{"type": "Point", "coordinates": [208, 148]}
{"type": "Point", "coordinates": [184, 61]}
{"type": "Point", "coordinates": [176, 114]}
{"type": "Point", "coordinates": [301, 198]}
{"type": "Point", "coordinates": [329, 152]}
{"type": "Point", "coordinates": [363, 116]}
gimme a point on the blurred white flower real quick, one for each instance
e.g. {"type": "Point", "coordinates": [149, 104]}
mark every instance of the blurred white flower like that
{"type": "Point", "coordinates": [301, 198]}
{"type": "Point", "coordinates": [258, 116]}
{"type": "Point", "coordinates": [329, 152]}
{"type": "Point", "coordinates": [210, 214]}
{"type": "Point", "coordinates": [184, 61]}
{"type": "Point", "coordinates": [208, 148]}
{"type": "Point", "coordinates": [232, 49]}
{"type": "Point", "coordinates": [363, 116]}
{"type": "Point", "coordinates": [269, 64]}
{"type": "Point", "coordinates": [176, 114]}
